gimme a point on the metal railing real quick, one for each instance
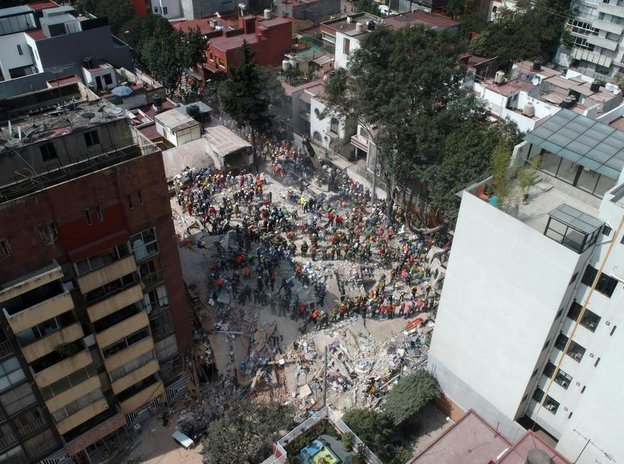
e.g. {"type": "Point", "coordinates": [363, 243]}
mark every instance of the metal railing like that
{"type": "Point", "coordinates": [328, 414]}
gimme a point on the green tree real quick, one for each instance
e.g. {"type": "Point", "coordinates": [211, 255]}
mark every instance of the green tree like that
{"type": "Point", "coordinates": [164, 51]}
{"type": "Point", "coordinates": [532, 31]}
{"type": "Point", "coordinates": [406, 84]}
{"type": "Point", "coordinates": [244, 433]}
{"type": "Point", "coordinates": [118, 12]}
{"type": "Point", "coordinates": [501, 155]}
{"type": "Point", "coordinates": [244, 96]}
{"type": "Point", "coordinates": [376, 429]}
{"type": "Point", "coordinates": [410, 395]}
{"type": "Point", "coordinates": [367, 6]}
{"type": "Point", "coordinates": [466, 159]}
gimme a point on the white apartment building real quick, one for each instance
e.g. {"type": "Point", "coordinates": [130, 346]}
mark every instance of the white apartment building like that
{"type": "Point", "coordinates": [520, 335]}
{"type": "Point", "coordinates": [40, 43]}
{"type": "Point", "coordinates": [597, 47]}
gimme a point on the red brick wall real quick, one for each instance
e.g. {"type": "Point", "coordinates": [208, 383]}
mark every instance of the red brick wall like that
{"type": "Point", "coordinates": [110, 190]}
{"type": "Point", "coordinates": [269, 50]}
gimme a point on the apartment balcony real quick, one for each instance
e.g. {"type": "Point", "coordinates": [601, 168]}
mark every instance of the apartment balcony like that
{"type": "Point", "coordinates": [132, 352]}
{"type": "Point", "coordinates": [152, 279]}
{"type": "Point", "coordinates": [40, 312]}
{"type": "Point", "coordinates": [7, 439]}
{"type": "Point", "coordinates": [115, 302]}
{"type": "Point", "coordinates": [100, 431]}
{"type": "Point", "coordinates": [145, 395]}
{"type": "Point", "coordinates": [30, 281]}
{"type": "Point", "coordinates": [360, 142]}
{"type": "Point", "coordinates": [135, 376]}
{"type": "Point", "coordinates": [608, 26]}
{"type": "Point", "coordinates": [81, 416]}
{"type": "Point", "coordinates": [613, 10]}
{"type": "Point", "coordinates": [63, 368]}
{"type": "Point", "coordinates": [123, 329]}
{"type": "Point", "coordinates": [77, 391]}
{"type": "Point", "coordinates": [602, 42]}
{"type": "Point", "coordinates": [49, 344]}
{"type": "Point", "coordinates": [107, 274]}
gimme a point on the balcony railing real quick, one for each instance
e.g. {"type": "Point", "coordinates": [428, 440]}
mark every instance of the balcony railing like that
{"type": "Point", "coordinates": [5, 348]}
{"type": "Point", "coordinates": [7, 440]}
{"type": "Point", "coordinates": [153, 278]}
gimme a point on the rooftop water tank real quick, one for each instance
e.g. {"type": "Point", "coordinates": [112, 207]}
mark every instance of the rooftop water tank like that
{"type": "Point", "coordinates": [285, 64]}
{"type": "Point", "coordinates": [268, 14]}
{"type": "Point", "coordinates": [529, 110]}
{"type": "Point", "coordinates": [359, 27]}
{"type": "Point", "coordinates": [499, 78]}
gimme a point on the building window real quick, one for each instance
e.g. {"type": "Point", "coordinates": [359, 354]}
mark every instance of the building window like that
{"type": "Point", "coordinates": [144, 244]}
{"type": "Point", "coordinates": [612, 331]}
{"type": "Point", "coordinates": [346, 45]}
{"type": "Point", "coordinates": [48, 151]}
{"type": "Point", "coordinates": [19, 50]}
{"type": "Point", "coordinates": [551, 405]}
{"type": "Point", "coordinates": [88, 218]}
{"type": "Point", "coordinates": [597, 362]}
{"type": "Point", "coordinates": [165, 10]}
{"type": "Point", "coordinates": [333, 126]}
{"type": "Point", "coordinates": [102, 259]}
{"type": "Point", "coordinates": [99, 213]}
{"type": "Point", "coordinates": [211, 57]}
{"type": "Point", "coordinates": [11, 373]}
{"type": "Point", "coordinates": [18, 398]}
{"type": "Point", "coordinates": [140, 195]}
{"type": "Point", "coordinates": [155, 9]}
{"type": "Point", "coordinates": [91, 138]}
{"type": "Point", "coordinates": [47, 233]}
{"type": "Point", "coordinates": [108, 79]}
{"type": "Point", "coordinates": [560, 378]}
{"type": "Point", "coordinates": [606, 284]}
{"type": "Point", "coordinates": [590, 320]}
{"type": "Point", "coordinates": [606, 230]}
{"type": "Point", "coordinates": [538, 395]}
{"type": "Point", "coordinates": [5, 248]}
{"type": "Point", "coordinates": [166, 348]}
{"type": "Point", "coordinates": [575, 351]}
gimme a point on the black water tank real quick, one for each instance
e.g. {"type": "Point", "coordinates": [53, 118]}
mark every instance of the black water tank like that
{"type": "Point", "coordinates": [595, 86]}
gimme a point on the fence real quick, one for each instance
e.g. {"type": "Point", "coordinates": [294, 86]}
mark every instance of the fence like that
{"type": "Point", "coordinates": [323, 414]}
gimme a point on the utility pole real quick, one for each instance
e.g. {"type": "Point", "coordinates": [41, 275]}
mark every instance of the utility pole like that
{"type": "Point", "coordinates": [325, 380]}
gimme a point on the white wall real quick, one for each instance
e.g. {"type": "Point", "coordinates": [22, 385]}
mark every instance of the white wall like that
{"type": "Point", "coordinates": [322, 126]}
{"type": "Point", "coordinates": [341, 59]}
{"type": "Point", "coordinates": [173, 8]}
{"type": "Point", "coordinates": [9, 55]}
{"type": "Point", "coordinates": [504, 285]}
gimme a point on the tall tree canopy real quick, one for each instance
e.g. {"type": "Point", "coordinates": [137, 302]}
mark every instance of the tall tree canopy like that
{"type": "Point", "coordinates": [244, 433]}
{"type": "Point", "coordinates": [164, 51]}
{"type": "Point", "coordinates": [244, 95]}
{"type": "Point", "coordinates": [406, 87]}
{"type": "Point", "coordinates": [531, 31]}
{"type": "Point", "coordinates": [118, 11]}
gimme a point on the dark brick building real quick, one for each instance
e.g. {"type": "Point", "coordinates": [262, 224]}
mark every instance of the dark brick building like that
{"type": "Point", "coordinates": [95, 324]}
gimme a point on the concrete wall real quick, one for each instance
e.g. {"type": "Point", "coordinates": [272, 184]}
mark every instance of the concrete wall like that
{"type": "Point", "coordinates": [314, 12]}
{"type": "Point", "coordinates": [503, 288]}
{"type": "Point", "coordinates": [23, 85]}
{"type": "Point", "coordinates": [70, 149]}
{"type": "Point", "coordinates": [174, 9]}
{"type": "Point", "coordinates": [9, 54]}
{"type": "Point", "coordinates": [64, 54]}
{"type": "Point", "coordinates": [341, 59]}
{"type": "Point", "coordinates": [322, 126]}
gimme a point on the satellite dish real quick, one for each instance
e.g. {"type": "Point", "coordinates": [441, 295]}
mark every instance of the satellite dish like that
{"type": "Point", "coordinates": [88, 115]}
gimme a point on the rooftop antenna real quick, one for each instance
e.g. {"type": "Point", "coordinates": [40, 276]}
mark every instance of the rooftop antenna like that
{"type": "Point", "coordinates": [10, 129]}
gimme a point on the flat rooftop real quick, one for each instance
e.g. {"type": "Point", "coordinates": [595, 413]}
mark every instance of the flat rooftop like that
{"type": "Point", "coordinates": [175, 120]}
{"type": "Point", "coordinates": [470, 441]}
{"type": "Point", "coordinates": [57, 120]}
{"type": "Point", "coordinates": [530, 441]}
{"type": "Point", "coordinates": [546, 196]}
